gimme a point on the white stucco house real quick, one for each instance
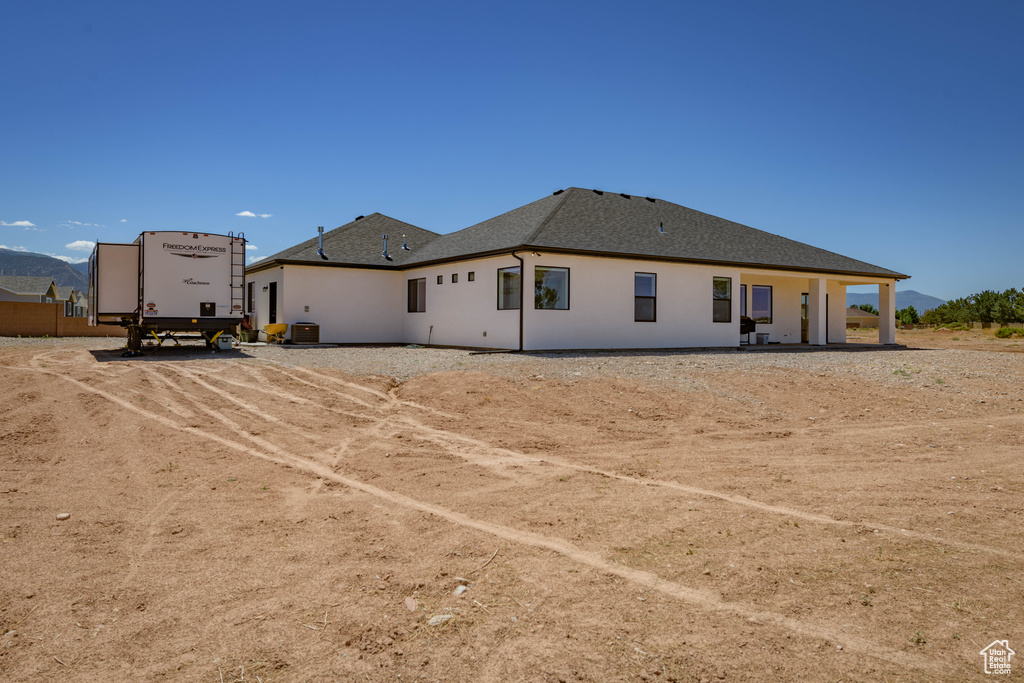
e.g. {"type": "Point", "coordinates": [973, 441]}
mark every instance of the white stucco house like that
{"type": "Point", "coordinates": [601, 270]}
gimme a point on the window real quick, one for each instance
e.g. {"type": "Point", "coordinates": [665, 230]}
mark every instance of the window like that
{"type": "Point", "coordinates": [455, 278]}
{"type": "Point", "coordinates": [644, 303]}
{"type": "Point", "coordinates": [472, 275]}
{"type": "Point", "coordinates": [508, 288]}
{"type": "Point", "coordinates": [761, 303]}
{"type": "Point", "coordinates": [251, 299]}
{"type": "Point", "coordinates": [418, 295]}
{"type": "Point", "coordinates": [551, 288]}
{"type": "Point", "coordinates": [722, 304]}
{"type": "Point", "coordinates": [440, 279]}
{"type": "Point", "coordinates": [743, 301]}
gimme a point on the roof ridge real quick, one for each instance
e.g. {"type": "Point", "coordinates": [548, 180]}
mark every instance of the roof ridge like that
{"type": "Point", "coordinates": [547, 219]}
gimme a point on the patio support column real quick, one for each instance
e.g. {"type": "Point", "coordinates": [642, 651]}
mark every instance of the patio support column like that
{"type": "Point", "coordinates": [816, 292]}
{"type": "Point", "coordinates": [887, 313]}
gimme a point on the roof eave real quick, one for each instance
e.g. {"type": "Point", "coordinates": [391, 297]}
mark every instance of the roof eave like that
{"type": "Point", "coordinates": [576, 252]}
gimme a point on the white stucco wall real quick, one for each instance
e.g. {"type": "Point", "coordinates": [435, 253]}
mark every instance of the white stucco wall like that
{"type": "Point", "coordinates": [357, 305]}
{"type": "Point", "coordinates": [601, 306]}
{"type": "Point", "coordinates": [351, 305]}
{"type": "Point", "coordinates": [463, 313]}
{"type": "Point", "coordinates": [786, 292]}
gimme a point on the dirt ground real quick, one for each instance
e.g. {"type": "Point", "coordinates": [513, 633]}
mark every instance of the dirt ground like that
{"type": "Point", "coordinates": [742, 517]}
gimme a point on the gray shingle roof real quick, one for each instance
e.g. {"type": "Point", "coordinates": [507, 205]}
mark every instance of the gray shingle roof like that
{"type": "Point", "coordinates": [65, 293]}
{"type": "Point", "coordinates": [358, 243]}
{"type": "Point", "coordinates": [584, 221]}
{"type": "Point", "coordinates": [613, 223]}
{"type": "Point", "coordinates": [25, 284]}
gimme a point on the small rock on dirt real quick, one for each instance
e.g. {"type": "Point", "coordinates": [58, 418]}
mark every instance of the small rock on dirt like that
{"type": "Point", "coordinates": [459, 590]}
{"type": "Point", "coordinates": [439, 619]}
{"type": "Point", "coordinates": [62, 516]}
{"type": "Point", "coordinates": [410, 604]}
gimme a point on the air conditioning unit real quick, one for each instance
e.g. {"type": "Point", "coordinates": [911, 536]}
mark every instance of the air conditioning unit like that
{"type": "Point", "coordinates": [305, 333]}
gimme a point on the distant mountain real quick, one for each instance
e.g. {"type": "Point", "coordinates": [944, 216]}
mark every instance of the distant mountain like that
{"type": "Point", "coordinates": [82, 268]}
{"type": "Point", "coordinates": [40, 265]}
{"type": "Point", "coordinates": [908, 297]}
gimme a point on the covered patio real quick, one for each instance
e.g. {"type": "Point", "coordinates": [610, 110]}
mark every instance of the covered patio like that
{"type": "Point", "coordinates": [793, 309]}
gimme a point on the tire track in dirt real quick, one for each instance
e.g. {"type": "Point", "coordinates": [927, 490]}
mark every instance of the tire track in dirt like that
{"type": "Point", "coordinates": [503, 455]}
{"type": "Point", "coordinates": [280, 393]}
{"type": "Point", "coordinates": [388, 397]}
{"type": "Point", "coordinates": [151, 519]}
{"type": "Point", "coordinates": [701, 599]}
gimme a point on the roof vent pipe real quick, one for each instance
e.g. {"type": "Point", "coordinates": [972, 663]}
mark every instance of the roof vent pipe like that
{"type": "Point", "coordinates": [661, 228]}
{"type": "Point", "coordinates": [385, 252]}
{"type": "Point", "coordinates": [404, 246]}
{"type": "Point", "coordinates": [320, 249]}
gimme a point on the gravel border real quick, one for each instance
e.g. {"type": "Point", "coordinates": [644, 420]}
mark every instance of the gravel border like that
{"type": "Point", "coordinates": [941, 369]}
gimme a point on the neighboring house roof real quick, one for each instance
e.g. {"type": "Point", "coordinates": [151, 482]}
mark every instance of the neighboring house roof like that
{"type": "Point", "coordinates": [594, 222]}
{"type": "Point", "coordinates": [28, 284]}
{"type": "Point", "coordinates": [358, 243]}
{"type": "Point", "coordinates": [854, 312]}
{"type": "Point", "coordinates": [68, 293]}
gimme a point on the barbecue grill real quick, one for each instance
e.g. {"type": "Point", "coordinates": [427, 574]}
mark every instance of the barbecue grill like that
{"type": "Point", "coordinates": [747, 326]}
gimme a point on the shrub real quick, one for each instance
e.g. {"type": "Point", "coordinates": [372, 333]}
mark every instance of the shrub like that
{"type": "Point", "coordinates": [1004, 332]}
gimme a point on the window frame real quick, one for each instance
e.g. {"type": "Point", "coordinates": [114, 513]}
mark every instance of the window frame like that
{"type": "Point", "coordinates": [440, 279]}
{"type": "Point", "coordinates": [653, 299]}
{"type": "Point", "coordinates": [771, 304]}
{"type": "Point", "coordinates": [743, 301]}
{"type": "Point", "coordinates": [417, 298]}
{"type": "Point", "coordinates": [455, 278]}
{"type": "Point", "coordinates": [472, 276]}
{"type": "Point", "coordinates": [567, 290]}
{"type": "Point", "coordinates": [715, 299]}
{"type": "Point", "coordinates": [517, 299]}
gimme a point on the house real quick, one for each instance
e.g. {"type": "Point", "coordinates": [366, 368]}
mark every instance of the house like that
{"type": "Point", "coordinates": [40, 290]}
{"type": "Point", "coordinates": [75, 302]}
{"type": "Point", "coordinates": [856, 317]}
{"type": "Point", "coordinates": [608, 270]}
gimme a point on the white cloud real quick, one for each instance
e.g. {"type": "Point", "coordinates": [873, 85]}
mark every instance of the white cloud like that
{"type": "Point", "coordinates": [251, 246]}
{"type": "Point", "coordinates": [80, 245]}
{"type": "Point", "coordinates": [18, 224]}
{"type": "Point", "coordinates": [72, 224]}
{"type": "Point", "coordinates": [68, 259]}
{"type": "Point", "coordinates": [124, 220]}
{"type": "Point", "coordinates": [4, 246]}
{"type": "Point", "coordinates": [250, 214]}
{"type": "Point", "coordinates": [254, 259]}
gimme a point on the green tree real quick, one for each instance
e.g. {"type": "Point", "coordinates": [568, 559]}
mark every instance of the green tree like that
{"type": "Point", "coordinates": [908, 316]}
{"type": "Point", "coordinates": [869, 308]}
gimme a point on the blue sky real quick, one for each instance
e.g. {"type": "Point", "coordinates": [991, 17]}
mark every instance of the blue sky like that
{"type": "Point", "coordinates": [886, 131]}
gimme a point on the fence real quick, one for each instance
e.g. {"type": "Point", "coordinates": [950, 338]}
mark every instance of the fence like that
{"type": "Point", "coordinates": [23, 319]}
{"type": "Point", "coordinates": [974, 326]}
